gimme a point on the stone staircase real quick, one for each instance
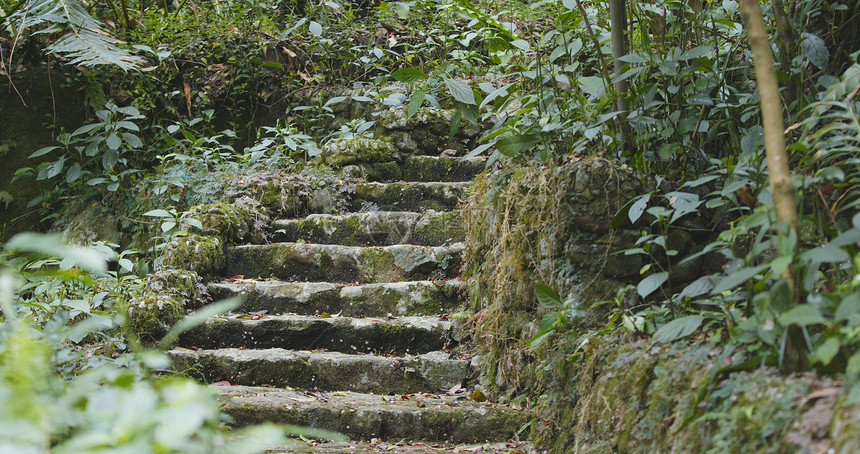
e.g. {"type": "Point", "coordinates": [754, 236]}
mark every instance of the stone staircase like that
{"type": "Point", "coordinates": [348, 324]}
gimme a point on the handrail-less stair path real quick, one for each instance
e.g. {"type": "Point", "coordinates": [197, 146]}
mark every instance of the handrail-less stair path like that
{"type": "Point", "coordinates": [344, 325]}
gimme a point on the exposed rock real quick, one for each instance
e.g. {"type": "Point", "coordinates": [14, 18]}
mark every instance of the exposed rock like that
{"type": "Point", "coordinates": [357, 150]}
{"type": "Point", "coordinates": [203, 255]}
{"type": "Point", "coordinates": [152, 316]}
{"type": "Point", "coordinates": [94, 223]}
{"type": "Point", "coordinates": [182, 284]}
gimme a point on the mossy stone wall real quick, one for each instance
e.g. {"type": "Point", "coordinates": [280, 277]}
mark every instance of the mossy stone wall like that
{"type": "Point", "coordinates": [603, 391]}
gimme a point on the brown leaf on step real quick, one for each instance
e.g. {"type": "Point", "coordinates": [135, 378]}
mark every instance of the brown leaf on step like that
{"type": "Point", "coordinates": [221, 383]}
{"type": "Point", "coordinates": [823, 392]}
{"type": "Point", "coordinates": [455, 389]}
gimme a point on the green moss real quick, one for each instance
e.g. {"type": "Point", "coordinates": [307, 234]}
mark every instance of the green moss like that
{"type": "Point", "coordinates": [230, 222]}
{"type": "Point", "coordinates": [183, 284]}
{"type": "Point", "coordinates": [383, 171]}
{"type": "Point", "coordinates": [357, 150]}
{"type": "Point", "coordinates": [203, 255]}
{"type": "Point", "coordinates": [150, 317]}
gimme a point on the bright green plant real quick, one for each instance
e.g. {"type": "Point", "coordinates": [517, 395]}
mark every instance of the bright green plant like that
{"type": "Point", "coordinates": [100, 153]}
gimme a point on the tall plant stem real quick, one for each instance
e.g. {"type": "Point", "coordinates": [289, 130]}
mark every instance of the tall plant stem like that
{"type": "Point", "coordinates": [781, 186]}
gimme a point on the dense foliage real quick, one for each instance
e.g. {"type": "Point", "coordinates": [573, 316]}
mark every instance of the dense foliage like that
{"type": "Point", "coordinates": [175, 89]}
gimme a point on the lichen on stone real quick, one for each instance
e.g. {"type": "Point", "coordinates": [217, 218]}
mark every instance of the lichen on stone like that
{"type": "Point", "coordinates": [203, 255]}
{"type": "Point", "coordinates": [357, 150]}
{"type": "Point", "coordinates": [152, 316]}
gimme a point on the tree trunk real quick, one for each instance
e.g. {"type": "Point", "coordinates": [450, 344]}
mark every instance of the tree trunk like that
{"type": "Point", "coordinates": [781, 186]}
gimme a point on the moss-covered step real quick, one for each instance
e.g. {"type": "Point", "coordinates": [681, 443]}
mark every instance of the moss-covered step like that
{"type": "Point", "coordinates": [384, 335]}
{"type": "Point", "coordinates": [439, 196]}
{"type": "Point", "coordinates": [402, 447]}
{"type": "Point", "coordinates": [324, 371]}
{"type": "Point", "coordinates": [425, 168]}
{"type": "Point", "coordinates": [369, 300]}
{"type": "Point", "coordinates": [368, 416]}
{"type": "Point", "coordinates": [336, 263]}
{"type": "Point", "coordinates": [374, 228]}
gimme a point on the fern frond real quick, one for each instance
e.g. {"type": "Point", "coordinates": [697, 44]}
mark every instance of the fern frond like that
{"type": "Point", "coordinates": [85, 42]}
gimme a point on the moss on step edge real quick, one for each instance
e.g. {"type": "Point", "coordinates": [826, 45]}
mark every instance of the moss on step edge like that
{"type": "Point", "coordinates": [202, 254]}
{"type": "Point", "coordinates": [231, 222]}
{"type": "Point", "coordinates": [357, 150]}
{"type": "Point", "coordinates": [151, 316]}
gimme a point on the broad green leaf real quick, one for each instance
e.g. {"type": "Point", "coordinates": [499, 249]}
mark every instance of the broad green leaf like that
{"type": "Point", "coordinates": [315, 28]}
{"type": "Point", "coordinates": [652, 282]}
{"type": "Point", "coordinates": [548, 321]}
{"type": "Point", "coordinates": [53, 246]}
{"type": "Point", "coordinates": [540, 337]}
{"type": "Point", "coordinates": [547, 297]}
{"type": "Point", "coordinates": [852, 369]}
{"type": "Point", "coordinates": [132, 140]}
{"type": "Point", "coordinates": [158, 213]}
{"type": "Point", "coordinates": [167, 226]}
{"type": "Point", "coordinates": [739, 277]}
{"type": "Point", "coordinates": [521, 44]}
{"type": "Point", "coordinates": [113, 141]}
{"type": "Point", "coordinates": [518, 144]}
{"type": "Point", "coordinates": [826, 351]}
{"type": "Point", "coordinates": [194, 223]}
{"type": "Point", "coordinates": [848, 307]}
{"type": "Point", "coordinates": [127, 125]}
{"type": "Point", "coordinates": [87, 128]}
{"type": "Point", "coordinates": [461, 91]}
{"type": "Point", "coordinates": [408, 75]}
{"type": "Point", "coordinates": [478, 150]}
{"type": "Point", "coordinates": [335, 100]}
{"type": "Point", "coordinates": [73, 173]}
{"type": "Point", "coordinates": [802, 315]}
{"type": "Point", "coordinates": [815, 49]}
{"type": "Point", "coordinates": [42, 151]}
{"type": "Point", "coordinates": [696, 52]}
{"type": "Point", "coordinates": [415, 102]}
{"type": "Point", "coordinates": [698, 287]}
{"type": "Point", "coordinates": [678, 328]}
{"type": "Point", "coordinates": [633, 58]}
{"type": "Point", "coordinates": [826, 254]}
{"type": "Point", "coordinates": [638, 208]}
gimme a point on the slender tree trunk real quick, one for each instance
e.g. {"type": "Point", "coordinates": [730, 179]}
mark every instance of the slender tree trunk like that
{"type": "Point", "coordinates": [781, 186]}
{"type": "Point", "coordinates": [618, 22]}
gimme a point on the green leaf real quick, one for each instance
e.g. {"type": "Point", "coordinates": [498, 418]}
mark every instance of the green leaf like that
{"type": "Point", "coordinates": [548, 321]}
{"type": "Point", "coordinates": [54, 246]}
{"type": "Point", "coordinates": [737, 278]}
{"type": "Point", "coordinates": [408, 75]}
{"type": "Point", "coordinates": [315, 28]}
{"type": "Point", "coordinates": [127, 125]}
{"type": "Point", "coordinates": [518, 144]}
{"type": "Point", "coordinates": [852, 369]}
{"type": "Point", "coordinates": [42, 151]}
{"type": "Point", "coordinates": [73, 173]}
{"type": "Point", "coordinates": [826, 254]}
{"type": "Point", "coordinates": [826, 351]}
{"type": "Point", "coordinates": [698, 287]}
{"type": "Point", "coordinates": [678, 328]}
{"type": "Point", "coordinates": [415, 103]}
{"type": "Point", "coordinates": [815, 49]}
{"type": "Point", "coordinates": [696, 52]}
{"type": "Point", "coordinates": [547, 297]}
{"type": "Point", "coordinates": [521, 44]}
{"type": "Point", "coordinates": [167, 226]}
{"type": "Point", "coordinates": [158, 214]}
{"type": "Point", "coordinates": [461, 91]}
{"type": "Point", "coordinates": [132, 140]}
{"type": "Point", "coordinates": [638, 208]}
{"type": "Point", "coordinates": [478, 150]}
{"type": "Point", "coordinates": [113, 141]}
{"type": "Point", "coordinates": [848, 307]}
{"type": "Point", "coordinates": [802, 315]}
{"type": "Point", "coordinates": [652, 282]}
{"type": "Point", "coordinates": [194, 223]}
{"type": "Point", "coordinates": [335, 100]}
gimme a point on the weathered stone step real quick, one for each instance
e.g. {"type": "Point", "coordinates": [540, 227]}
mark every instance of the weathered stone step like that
{"type": "Point", "coordinates": [385, 335]}
{"type": "Point", "coordinates": [403, 447]}
{"type": "Point", "coordinates": [365, 416]}
{"type": "Point", "coordinates": [335, 263]}
{"type": "Point", "coordinates": [324, 371]}
{"type": "Point", "coordinates": [439, 196]}
{"type": "Point", "coordinates": [369, 300]}
{"type": "Point", "coordinates": [425, 168]}
{"type": "Point", "coordinates": [374, 228]}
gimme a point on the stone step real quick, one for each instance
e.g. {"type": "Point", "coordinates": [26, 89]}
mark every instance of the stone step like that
{"type": "Point", "coordinates": [384, 335]}
{"type": "Point", "coordinates": [324, 371]}
{"type": "Point", "coordinates": [425, 169]}
{"type": "Point", "coordinates": [403, 447]}
{"type": "Point", "coordinates": [336, 263]}
{"type": "Point", "coordinates": [374, 228]}
{"type": "Point", "coordinates": [367, 416]}
{"type": "Point", "coordinates": [369, 300]}
{"type": "Point", "coordinates": [438, 196]}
